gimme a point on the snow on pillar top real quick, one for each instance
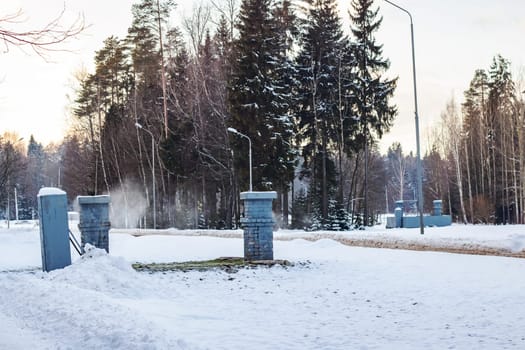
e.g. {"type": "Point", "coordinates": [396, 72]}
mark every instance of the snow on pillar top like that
{"type": "Point", "coordinates": [104, 199]}
{"type": "Point", "coordinates": [50, 191]}
{"type": "Point", "coordinates": [258, 195]}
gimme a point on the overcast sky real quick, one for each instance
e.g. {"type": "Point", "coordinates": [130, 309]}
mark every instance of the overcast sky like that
{"type": "Point", "coordinates": [452, 39]}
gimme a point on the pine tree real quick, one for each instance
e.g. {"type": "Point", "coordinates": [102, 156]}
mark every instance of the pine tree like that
{"type": "Point", "coordinates": [114, 82]}
{"type": "Point", "coordinates": [113, 73]}
{"type": "Point", "coordinates": [150, 19]}
{"type": "Point", "coordinates": [143, 37]}
{"type": "Point", "coordinates": [372, 92]}
{"type": "Point", "coordinates": [147, 38]}
{"type": "Point", "coordinates": [475, 126]}
{"type": "Point", "coordinates": [475, 145]}
{"type": "Point", "coordinates": [502, 136]}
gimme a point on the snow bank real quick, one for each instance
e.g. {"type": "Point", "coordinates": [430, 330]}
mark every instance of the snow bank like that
{"type": "Point", "coordinates": [98, 271]}
{"type": "Point", "coordinates": [81, 306]}
{"type": "Point", "coordinates": [335, 297]}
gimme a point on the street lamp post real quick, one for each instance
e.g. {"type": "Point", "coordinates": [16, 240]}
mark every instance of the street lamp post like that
{"type": "Point", "coordinates": [234, 131]}
{"type": "Point", "coordinates": [152, 173]}
{"type": "Point", "coordinates": [418, 163]}
{"type": "Point", "coordinates": [16, 205]}
{"type": "Point", "coordinates": [8, 216]}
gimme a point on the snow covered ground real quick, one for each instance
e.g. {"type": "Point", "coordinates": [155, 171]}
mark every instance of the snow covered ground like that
{"type": "Point", "coordinates": [506, 240]}
{"type": "Point", "coordinates": [335, 297]}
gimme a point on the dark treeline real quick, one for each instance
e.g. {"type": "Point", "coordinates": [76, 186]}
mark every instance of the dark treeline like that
{"type": "Point", "coordinates": [311, 95]}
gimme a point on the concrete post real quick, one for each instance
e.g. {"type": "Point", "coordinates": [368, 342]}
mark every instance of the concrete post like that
{"type": "Point", "coordinates": [398, 213]}
{"type": "Point", "coordinates": [94, 221]}
{"type": "Point", "coordinates": [257, 224]}
{"type": "Point", "coordinates": [438, 203]}
{"type": "Point", "coordinates": [54, 230]}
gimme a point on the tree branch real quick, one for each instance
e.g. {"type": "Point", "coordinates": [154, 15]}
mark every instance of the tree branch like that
{"type": "Point", "coordinates": [42, 40]}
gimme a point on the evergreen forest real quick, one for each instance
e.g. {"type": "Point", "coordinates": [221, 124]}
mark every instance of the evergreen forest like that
{"type": "Point", "coordinates": [167, 112]}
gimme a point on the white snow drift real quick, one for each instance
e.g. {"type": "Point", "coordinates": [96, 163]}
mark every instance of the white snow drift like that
{"type": "Point", "coordinates": [335, 297]}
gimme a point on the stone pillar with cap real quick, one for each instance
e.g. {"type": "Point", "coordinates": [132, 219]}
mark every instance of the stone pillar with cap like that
{"type": "Point", "coordinates": [94, 221]}
{"type": "Point", "coordinates": [438, 204]}
{"type": "Point", "coordinates": [257, 224]}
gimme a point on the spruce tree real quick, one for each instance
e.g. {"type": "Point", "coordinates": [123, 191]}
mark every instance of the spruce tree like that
{"type": "Point", "coordinates": [223, 42]}
{"type": "Point", "coordinates": [259, 98]}
{"type": "Point", "coordinates": [371, 91]}
{"type": "Point", "coordinates": [319, 89]}
{"type": "Point", "coordinates": [249, 94]}
{"type": "Point", "coordinates": [34, 172]}
{"type": "Point", "coordinates": [300, 215]}
{"type": "Point", "coordinates": [284, 155]}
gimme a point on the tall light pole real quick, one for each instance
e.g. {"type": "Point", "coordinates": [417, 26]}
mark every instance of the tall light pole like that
{"type": "Point", "coordinates": [152, 173]}
{"type": "Point", "coordinates": [16, 205]}
{"type": "Point", "coordinates": [234, 131]}
{"type": "Point", "coordinates": [8, 216]}
{"type": "Point", "coordinates": [418, 164]}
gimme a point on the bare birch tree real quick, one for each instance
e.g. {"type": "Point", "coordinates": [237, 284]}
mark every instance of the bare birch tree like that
{"type": "Point", "coordinates": [451, 122]}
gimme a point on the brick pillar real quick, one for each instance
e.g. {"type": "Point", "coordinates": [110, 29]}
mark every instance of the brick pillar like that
{"type": "Point", "coordinates": [399, 217]}
{"type": "Point", "coordinates": [438, 203]}
{"type": "Point", "coordinates": [257, 224]}
{"type": "Point", "coordinates": [94, 221]}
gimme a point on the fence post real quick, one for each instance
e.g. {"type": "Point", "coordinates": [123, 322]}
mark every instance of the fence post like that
{"type": "Point", "coordinates": [94, 221]}
{"type": "Point", "coordinates": [257, 224]}
{"type": "Point", "coordinates": [54, 230]}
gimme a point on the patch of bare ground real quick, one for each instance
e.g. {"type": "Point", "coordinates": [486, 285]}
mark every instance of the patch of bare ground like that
{"type": "Point", "coordinates": [227, 264]}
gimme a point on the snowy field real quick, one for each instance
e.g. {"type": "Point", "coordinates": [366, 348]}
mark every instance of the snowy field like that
{"type": "Point", "coordinates": [335, 297]}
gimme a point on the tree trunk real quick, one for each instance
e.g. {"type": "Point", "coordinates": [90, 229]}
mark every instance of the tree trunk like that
{"type": "Point", "coordinates": [163, 73]}
{"type": "Point", "coordinates": [469, 182]}
{"type": "Point", "coordinates": [324, 180]}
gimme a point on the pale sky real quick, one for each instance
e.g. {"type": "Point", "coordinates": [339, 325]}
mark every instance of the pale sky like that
{"type": "Point", "coordinates": [453, 38]}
